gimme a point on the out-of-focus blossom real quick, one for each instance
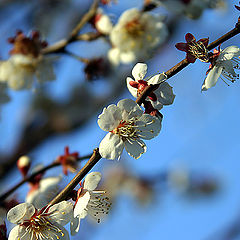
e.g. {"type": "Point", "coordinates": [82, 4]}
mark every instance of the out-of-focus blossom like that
{"type": "Point", "coordinates": [68, 161]}
{"type": "Point", "coordinates": [163, 95]}
{"type": "Point", "coordinates": [26, 62]}
{"type": "Point", "coordinates": [118, 181]}
{"type": "Point", "coordinates": [102, 22]}
{"type": "Point", "coordinates": [95, 68]}
{"type": "Point", "coordinates": [191, 8]}
{"type": "Point", "coordinates": [126, 125]}
{"type": "Point", "coordinates": [194, 49]}
{"type": "Point", "coordinates": [43, 190]}
{"type": "Point", "coordinates": [23, 165]}
{"type": "Point", "coordinates": [135, 36]}
{"type": "Point", "coordinates": [223, 65]}
{"type": "Point", "coordinates": [107, 2]}
{"type": "Point", "coordinates": [90, 202]}
{"type": "Point", "coordinates": [46, 223]}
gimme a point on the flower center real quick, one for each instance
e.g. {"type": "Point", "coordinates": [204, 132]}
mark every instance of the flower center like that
{"type": "Point", "coordinates": [134, 28]}
{"type": "Point", "coordinates": [198, 50]}
{"type": "Point", "coordinates": [125, 129]}
{"type": "Point", "coordinates": [39, 227]}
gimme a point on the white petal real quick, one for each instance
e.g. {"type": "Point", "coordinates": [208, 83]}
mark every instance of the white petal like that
{"type": "Point", "coordinates": [128, 57]}
{"type": "Point", "coordinates": [91, 181]}
{"type": "Point", "coordinates": [59, 234]}
{"type": "Point", "coordinates": [157, 79]}
{"type": "Point", "coordinates": [228, 53]}
{"type": "Point", "coordinates": [104, 24]}
{"type": "Point", "coordinates": [21, 212]}
{"type": "Point", "coordinates": [165, 94]}
{"type": "Point", "coordinates": [114, 56]}
{"type": "Point", "coordinates": [50, 182]}
{"type": "Point", "coordinates": [61, 212]}
{"type": "Point", "coordinates": [139, 71]}
{"type": "Point", "coordinates": [111, 146]}
{"type": "Point", "coordinates": [75, 225]}
{"type": "Point", "coordinates": [228, 67]}
{"type": "Point", "coordinates": [80, 208]}
{"type": "Point", "coordinates": [131, 89]}
{"type": "Point", "coordinates": [136, 148]}
{"type": "Point", "coordinates": [109, 118]}
{"type": "Point", "coordinates": [150, 126]}
{"type": "Point", "coordinates": [129, 109]}
{"type": "Point", "coordinates": [13, 235]}
{"type": "Point", "coordinates": [212, 77]}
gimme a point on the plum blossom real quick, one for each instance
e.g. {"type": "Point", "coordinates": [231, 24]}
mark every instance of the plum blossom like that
{"type": "Point", "coordinates": [26, 62]}
{"type": "Point", "coordinates": [90, 202]}
{"type": "Point", "coordinates": [135, 36]}
{"type": "Point", "coordinates": [162, 96]}
{"type": "Point", "coordinates": [102, 22]}
{"type": "Point", "coordinates": [223, 65]}
{"type": "Point", "coordinates": [194, 49]}
{"type": "Point", "coordinates": [46, 223]}
{"type": "Point", "coordinates": [126, 124]}
{"type": "Point", "coordinates": [42, 190]}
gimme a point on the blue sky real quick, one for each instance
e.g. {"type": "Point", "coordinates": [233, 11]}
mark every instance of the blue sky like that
{"type": "Point", "coordinates": [200, 131]}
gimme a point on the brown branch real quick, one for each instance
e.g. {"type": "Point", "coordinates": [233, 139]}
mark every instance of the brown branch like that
{"type": "Point", "coordinates": [59, 46]}
{"type": "Point", "coordinates": [29, 178]}
{"type": "Point", "coordinates": [184, 63]}
{"type": "Point", "coordinates": [80, 175]}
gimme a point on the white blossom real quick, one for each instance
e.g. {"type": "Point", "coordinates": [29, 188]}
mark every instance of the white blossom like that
{"type": "Point", "coordinates": [135, 36]}
{"type": "Point", "coordinates": [46, 223]}
{"type": "Point", "coordinates": [126, 124]}
{"type": "Point", "coordinates": [223, 67]}
{"type": "Point", "coordinates": [103, 22]}
{"type": "Point", "coordinates": [43, 191]}
{"type": "Point", "coordinates": [19, 71]}
{"type": "Point", "coordinates": [163, 95]}
{"type": "Point", "coordinates": [90, 202]}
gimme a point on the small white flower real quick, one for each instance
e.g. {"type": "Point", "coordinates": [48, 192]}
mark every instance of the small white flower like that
{"type": "Point", "coordinates": [126, 124]}
{"type": "Point", "coordinates": [135, 36]}
{"type": "Point", "coordinates": [90, 202]}
{"type": "Point", "coordinates": [20, 70]}
{"type": "Point", "coordinates": [223, 66]}
{"type": "Point", "coordinates": [103, 22]}
{"type": "Point", "coordinates": [46, 223]}
{"type": "Point", "coordinates": [162, 96]}
{"type": "Point", "coordinates": [43, 191]}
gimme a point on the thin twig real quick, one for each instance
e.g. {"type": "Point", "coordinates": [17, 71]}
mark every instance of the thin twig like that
{"type": "Point", "coordinates": [59, 46]}
{"type": "Point", "coordinates": [78, 178]}
{"type": "Point", "coordinates": [29, 178]}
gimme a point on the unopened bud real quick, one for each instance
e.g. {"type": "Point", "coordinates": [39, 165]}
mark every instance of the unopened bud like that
{"type": "Point", "coordinates": [23, 165]}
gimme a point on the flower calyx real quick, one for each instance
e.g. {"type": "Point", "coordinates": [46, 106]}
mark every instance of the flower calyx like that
{"type": "Point", "coordinates": [194, 49]}
{"type": "Point", "coordinates": [27, 45]}
{"type": "Point", "coordinates": [68, 161]}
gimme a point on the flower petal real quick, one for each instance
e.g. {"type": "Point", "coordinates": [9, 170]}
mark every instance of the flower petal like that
{"type": "Point", "coordinates": [228, 53]}
{"type": "Point", "coordinates": [75, 225]}
{"type": "Point", "coordinates": [189, 37]}
{"type": "Point", "coordinates": [136, 148]}
{"type": "Point", "coordinates": [110, 118]}
{"type": "Point", "coordinates": [21, 212]}
{"type": "Point", "coordinates": [92, 180]}
{"type": "Point", "coordinates": [111, 146]}
{"type": "Point", "coordinates": [157, 79]}
{"type": "Point", "coordinates": [165, 94]}
{"type": "Point", "coordinates": [14, 235]}
{"type": "Point", "coordinates": [61, 212]}
{"type": "Point", "coordinates": [80, 208]}
{"type": "Point", "coordinates": [212, 77]}
{"type": "Point", "coordinates": [150, 126]}
{"type": "Point", "coordinates": [139, 71]}
{"type": "Point", "coordinates": [129, 109]}
{"type": "Point", "coordinates": [131, 89]}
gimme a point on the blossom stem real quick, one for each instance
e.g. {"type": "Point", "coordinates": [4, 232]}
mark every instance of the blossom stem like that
{"type": "Point", "coordinates": [29, 178]}
{"type": "Point", "coordinates": [184, 63]}
{"type": "Point", "coordinates": [95, 157]}
{"type": "Point", "coordinates": [59, 46]}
